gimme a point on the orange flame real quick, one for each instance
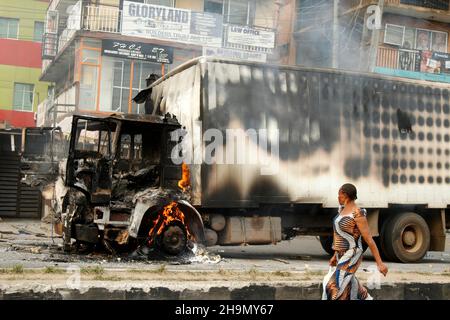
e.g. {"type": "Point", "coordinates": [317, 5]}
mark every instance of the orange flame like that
{"type": "Point", "coordinates": [170, 213]}
{"type": "Point", "coordinates": [185, 181]}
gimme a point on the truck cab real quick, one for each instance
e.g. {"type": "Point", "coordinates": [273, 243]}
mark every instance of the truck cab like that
{"type": "Point", "coordinates": [119, 179]}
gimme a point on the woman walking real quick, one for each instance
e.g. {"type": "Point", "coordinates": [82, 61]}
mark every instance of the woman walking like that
{"type": "Point", "coordinates": [350, 227]}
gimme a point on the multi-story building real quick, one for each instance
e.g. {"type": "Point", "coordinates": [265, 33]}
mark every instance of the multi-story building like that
{"type": "Point", "coordinates": [414, 41]}
{"type": "Point", "coordinates": [99, 53]}
{"type": "Point", "coordinates": [411, 40]}
{"type": "Point", "coordinates": [21, 30]}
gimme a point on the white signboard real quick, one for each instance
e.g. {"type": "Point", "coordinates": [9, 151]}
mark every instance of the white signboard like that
{"type": "Point", "coordinates": [235, 54]}
{"type": "Point", "coordinates": [251, 37]}
{"type": "Point", "coordinates": [173, 24]}
{"type": "Point", "coordinates": [74, 19]}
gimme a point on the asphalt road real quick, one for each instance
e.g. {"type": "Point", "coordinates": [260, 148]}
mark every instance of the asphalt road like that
{"type": "Point", "coordinates": [27, 243]}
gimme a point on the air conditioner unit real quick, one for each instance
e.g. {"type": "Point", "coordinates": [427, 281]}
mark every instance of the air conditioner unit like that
{"type": "Point", "coordinates": [394, 34]}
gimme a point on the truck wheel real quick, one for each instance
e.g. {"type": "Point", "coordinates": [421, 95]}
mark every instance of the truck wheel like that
{"type": "Point", "coordinates": [405, 237]}
{"type": "Point", "coordinates": [326, 243]}
{"type": "Point", "coordinates": [380, 249]}
{"type": "Point", "coordinates": [174, 239]}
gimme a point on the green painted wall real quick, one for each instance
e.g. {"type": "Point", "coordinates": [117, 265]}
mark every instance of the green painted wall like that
{"type": "Point", "coordinates": [27, 11]}
{"type": "Point", "coordinates": [11, 74]}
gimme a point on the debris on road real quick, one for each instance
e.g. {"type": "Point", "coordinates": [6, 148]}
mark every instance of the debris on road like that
{"type": "Point", "coordinates": [281, 260]}
{"type": "Point", "coordinates": [204, 256]}
{"type": "Point", "coordinates": [307, 258]}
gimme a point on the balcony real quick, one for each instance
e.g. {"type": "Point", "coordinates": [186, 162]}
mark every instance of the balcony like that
{"type": "Point", "coordinates": [408, 64]}
{"type": "Point", "coordinates": [93, 18]}
{"type": "Point", "coordinates": [52, 111]}
{"type": "Point", "coordinates": [437, 10]}
{"type": "Point", "coordinates": [101, 19]}
{"type": "Point", "coordinates": [432, 4]}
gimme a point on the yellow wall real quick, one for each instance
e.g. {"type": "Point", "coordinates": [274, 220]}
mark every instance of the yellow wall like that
{"type": "Point", "coordinates": [27, 11]}
{"type": "Point", "coordinates": [11, 74]}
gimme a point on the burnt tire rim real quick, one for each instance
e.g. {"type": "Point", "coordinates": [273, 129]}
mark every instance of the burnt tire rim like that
{"type": "Point", "coordinates": [174, 239]}
{"type": "Point", "coordinates": [412, 238]}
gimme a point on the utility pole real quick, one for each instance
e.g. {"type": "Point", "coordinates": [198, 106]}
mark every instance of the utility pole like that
{"type": "Point", "coordinates": [335, 52]}
{"type": "Point", "coordinates": [375, 39]}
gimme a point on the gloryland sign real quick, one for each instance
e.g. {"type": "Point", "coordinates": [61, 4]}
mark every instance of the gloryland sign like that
{"type": "Point", "coordinates": [167, 23]}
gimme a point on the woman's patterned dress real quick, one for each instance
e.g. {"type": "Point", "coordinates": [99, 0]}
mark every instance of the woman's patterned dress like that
{"type": "Point", "coordinates": [347, 244]}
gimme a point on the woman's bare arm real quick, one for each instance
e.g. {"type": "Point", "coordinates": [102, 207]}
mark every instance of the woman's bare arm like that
{"type": "Point", "coordinates": [363, 227]}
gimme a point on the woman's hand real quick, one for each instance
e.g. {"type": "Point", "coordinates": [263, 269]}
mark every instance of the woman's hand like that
{"type": "Point", "coordinates": [382, 268]}
{"type": "Point", "coordinates": [333, 261]}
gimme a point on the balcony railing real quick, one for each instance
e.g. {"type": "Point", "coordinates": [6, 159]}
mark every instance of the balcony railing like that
{"type": "Point", "coordinates": [412, 60]}
{"type": "Point", "coordinates": [101, 18]}
{"type": "Point", "coordinates": [65, 37]}
{"type": "Point", "coordinates": [52, 110]}
{"type": "Point", "coordinates": [387, 58]}
{"type": "Point", "coordinates": [49, 46]}
{"type": "Point", "coordinates": [94, 18]}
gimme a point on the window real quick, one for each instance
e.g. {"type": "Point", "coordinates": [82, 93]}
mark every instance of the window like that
{"type": "Point", "coordinates": [410, 38]}
{"type": "Point", "coordinates": [9, 28]}
{"type": "Point", "coordinates": [129, 142]}
{"type": "Point", "coordinates": [94, 136]}
{"type": "Point", "coordinates": [423, 39]}
{"type": "Point", "coordinates": [23, 97]}
{"type": "Point", "coordinates": [416, 39]}
{"type": "Point", "coordinates": [234, 11]}
{"type": "Point", "coordinates": [88, 87]}
{"type": "Point", "coordinates": [239, 12]}
{"type": "Point", "coordinates": [439, 41]}
{"type": "Point", "coordinates": [394, 34]}
{"type": "Point", "coordinates": [126, 76]}
{"type": "Point", "coordinates": [38, 31]}
{"type": "Point", "coordinates": [89, 79]}
{"type": "Point", "coordinates": [213, 6]}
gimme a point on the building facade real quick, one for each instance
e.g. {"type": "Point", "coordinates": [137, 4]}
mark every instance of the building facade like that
{"type": "Point", "coordinates": [414, 41]}
{"type": "Point", "coordinates": [100, 53]}
{"type": "Point", "coordinates": [405, 38]}
{"type": "Point", "coordinates": [21, 30]}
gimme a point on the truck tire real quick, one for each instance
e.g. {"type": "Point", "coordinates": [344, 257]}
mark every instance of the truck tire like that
{"type": "Point", "coordinates": [405, 237]}
{"type": "Point", "coordinates": [380, 249]}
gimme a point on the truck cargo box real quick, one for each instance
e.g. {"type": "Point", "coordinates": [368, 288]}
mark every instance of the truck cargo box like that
{"type": "Point", "coordinates": [388, 136]}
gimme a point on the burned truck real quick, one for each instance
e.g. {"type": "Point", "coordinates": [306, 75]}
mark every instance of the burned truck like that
{"type": "Point", "coordinates": [120, 189]}
{"type": "Point", "coordinates": [316, 129]}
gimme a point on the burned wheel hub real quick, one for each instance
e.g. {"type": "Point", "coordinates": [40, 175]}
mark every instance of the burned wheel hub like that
{"type": "Point", "coordinates": [174, 239]}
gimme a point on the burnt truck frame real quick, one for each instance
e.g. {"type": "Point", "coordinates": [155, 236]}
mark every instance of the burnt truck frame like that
{"type": "Point", "coordinates": [118, 178]}
{"type": "Point", "coordinates": [389, 136]}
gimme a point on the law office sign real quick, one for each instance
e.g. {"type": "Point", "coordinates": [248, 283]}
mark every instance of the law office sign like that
{"type": "Point", "coordinates": [246, 36]}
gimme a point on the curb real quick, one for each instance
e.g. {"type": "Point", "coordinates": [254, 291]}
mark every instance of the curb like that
{"type": "Point", "coordinates": [399, 291]}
